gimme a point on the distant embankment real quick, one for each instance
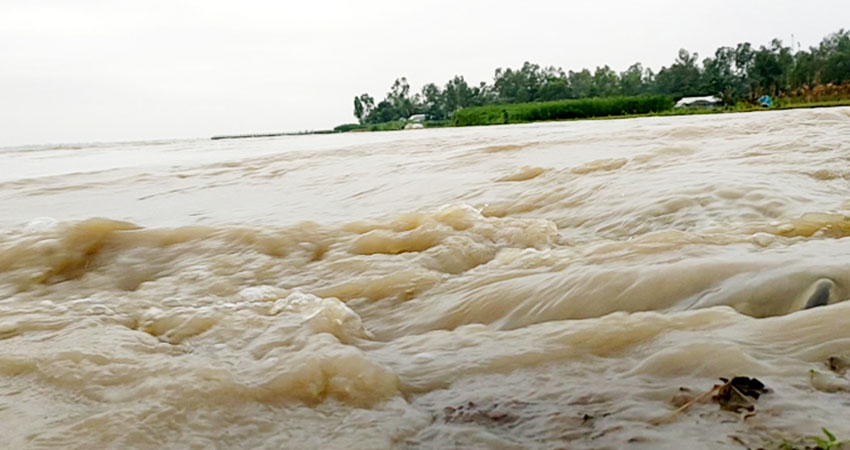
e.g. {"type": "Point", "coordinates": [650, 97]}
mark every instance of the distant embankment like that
{"type": "Point", "coordinates": [246, 136]}
{"type": "Point", "coordinates": [563, 109]}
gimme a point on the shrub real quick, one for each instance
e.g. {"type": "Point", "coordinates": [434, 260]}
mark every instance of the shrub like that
{"type": "Point", "coordinates": [348, 127]}
{"type": "Point", "coordinates": [563, 109]}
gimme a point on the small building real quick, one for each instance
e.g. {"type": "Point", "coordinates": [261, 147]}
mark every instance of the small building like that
{"type": "Point", "coordinates": [419, 118]}
{"type": "Point", "coordinates": [699, 102]}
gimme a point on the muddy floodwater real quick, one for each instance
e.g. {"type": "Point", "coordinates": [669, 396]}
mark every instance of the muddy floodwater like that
{"type": "Point", "coordinates": [555, 285]}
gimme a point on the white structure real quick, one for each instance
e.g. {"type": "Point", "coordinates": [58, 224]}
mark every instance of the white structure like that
{"type": "Point", "coordinates": [696, 102]}
{"type": "Point", "coordinates": [416, 118]}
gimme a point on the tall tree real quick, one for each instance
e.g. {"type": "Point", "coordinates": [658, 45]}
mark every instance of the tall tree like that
{"type": "Point", "coordinates": [432, 102]}
{"type": "Point", "coordinates": [720, 77]}
{"type": "Point", "coordinates": [631, 80]}
{"type": "Point", "coordinates": [770, 68]}
{"type": "Point", "coordinates": [399, 97]}
{"type": "Point", "coordinates": [358, 109]}
{"type": "Point", "coordinates": [581, 84]}
{"type": "Point", "coordinates": [363, 106]}
{"type": "Point", "coordinates": [606, 81]}
{"type": "Point", "coordinates": [457, 94]}
{"type": "Point", "coordinates": [682, 77]}
{"type": "Point", "coordinates": [835, 54]}
{"type": "Point", "coordinates": [807, 70]}
{"type": "Point", "coordinates": [515, 86]}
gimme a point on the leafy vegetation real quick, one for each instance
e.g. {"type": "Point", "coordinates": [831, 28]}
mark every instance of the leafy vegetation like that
{"type": "Point", "coordinates": [738, 74]}
{"type": "Point", "coordinates": [564, 109]}
{"type": "Point", "coordinates": [385, 126]}
{"type": "Point", "coordinates": [831, 442]}
{"type": "Point", "coordinates": [347, 127]}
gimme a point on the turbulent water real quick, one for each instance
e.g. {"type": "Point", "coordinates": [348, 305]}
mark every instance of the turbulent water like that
{"type": "Point", "coordinates": [558, 285]}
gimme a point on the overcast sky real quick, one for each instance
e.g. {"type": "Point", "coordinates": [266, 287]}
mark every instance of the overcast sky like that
{"type": "Point", "coordinates": [84, 70]}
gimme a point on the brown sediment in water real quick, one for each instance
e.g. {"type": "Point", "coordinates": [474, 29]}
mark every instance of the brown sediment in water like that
{"type": "Point", "coordinates": [535, 286]}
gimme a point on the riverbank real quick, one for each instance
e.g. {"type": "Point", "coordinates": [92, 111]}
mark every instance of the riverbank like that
{"type": "Point", "coordinates": [493, 115]}
{"type": "Point", "coordinates": [489, 117]}
{"type": "Point", "coordinates": [738, 109]}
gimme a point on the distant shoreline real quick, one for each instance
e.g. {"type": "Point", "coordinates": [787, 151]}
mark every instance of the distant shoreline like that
{"type": "Point", "coordinates": [263, 135]}
{"type": "Point", "coordinates": [399, 126]}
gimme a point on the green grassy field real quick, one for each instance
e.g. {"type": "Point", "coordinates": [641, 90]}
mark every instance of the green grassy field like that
{"type": "Point", "coordinates": [560, 110]}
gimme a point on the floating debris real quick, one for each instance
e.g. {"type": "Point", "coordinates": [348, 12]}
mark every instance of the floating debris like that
{"type": "Point", "coordinates": [739, 393]}
{"type": "Point", "coordinates": [838, 364]}
{"type": "Point", "coordinates": [492, 414]}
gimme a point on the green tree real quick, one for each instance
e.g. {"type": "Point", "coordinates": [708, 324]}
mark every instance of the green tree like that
{"type": "Point", "coordinates": [770, 69]}
{"type": "Point", "coordinates": [581, 84]}
{"type": "Point", "coordinates": [399, 97]}
{"type": "Point", "coordinates": [744, 60]}
{"type": "Point", "coordinates": [681, 78]}
{"type": "Point", "coordinates": [358, 109]}
{"type": "Point", "coordinates": [432, 102]}
{"type": "Point", "coordinates": [554, 89]}
{"type": "Point", "coordinates": [383, 112]}
{"type": "Point", "coordinates": [807, 70]}
{"type": "Point", "coordinates": [607, 82]}
{"type": "Point", "coordinates": [457, 94]}
{"type": "Point", "coordinates": [720, 77]}
{"type": "Point", "coordinates": [363, 106]}
{"type": "Point", "coordinates": [517, 86]}
{"type": "Point", "coordinates": [632, 81]}
{"type": "Point", "coordinates": [835, 55]}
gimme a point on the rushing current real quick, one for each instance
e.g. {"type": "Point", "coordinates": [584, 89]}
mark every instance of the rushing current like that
{"type": "Point", "coordinates": [554, 285]}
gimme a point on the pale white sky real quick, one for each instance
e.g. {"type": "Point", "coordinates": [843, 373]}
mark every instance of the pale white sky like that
{"type": "Point", "coordinates": [87, 70]}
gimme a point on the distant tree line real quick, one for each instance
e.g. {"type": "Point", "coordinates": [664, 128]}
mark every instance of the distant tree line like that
{"type": "Point", "coordinates": [740, 73]}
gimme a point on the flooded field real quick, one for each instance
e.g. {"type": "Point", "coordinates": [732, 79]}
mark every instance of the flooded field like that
{"type": "Point", "coordinates": [557, 285]}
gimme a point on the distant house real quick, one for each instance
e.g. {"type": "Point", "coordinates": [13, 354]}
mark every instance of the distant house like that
{"type": "Point", "coordinates": [699, 102]}
{"type": "Point", "coordinates": [416, 118]}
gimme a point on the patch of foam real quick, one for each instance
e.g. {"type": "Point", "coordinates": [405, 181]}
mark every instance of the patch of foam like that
{"type": "Point", "coordinates": [322, 315]}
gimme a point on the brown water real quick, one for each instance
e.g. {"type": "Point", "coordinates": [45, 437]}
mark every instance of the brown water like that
{"type": "Point", "coordinates": [535, 286]}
